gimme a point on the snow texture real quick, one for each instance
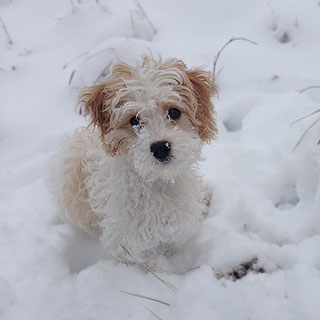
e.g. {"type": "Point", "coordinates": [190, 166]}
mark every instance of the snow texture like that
{"type": "Point", "coordinates": [266, 193]}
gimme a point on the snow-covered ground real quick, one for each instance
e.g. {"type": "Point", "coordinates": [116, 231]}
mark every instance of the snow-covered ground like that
{"type": "Point", "coordinates": [266, 195]}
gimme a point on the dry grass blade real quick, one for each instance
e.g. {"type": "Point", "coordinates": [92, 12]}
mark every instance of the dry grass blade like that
{"type": "Point", "coordinates": [4, 27]}
{"type": "Point", "coordinates": [103, 73]}
{"type": "Point", "coordinates": [104, 9]}
{"type": "Point", "coordinates": [95, 54]}
{"type": "Point", "coordinates": [26, 52]}
{"type": "Point", "coordinates": [216, 58]}
{"type": "Point", "coordinates": [85, 60]}
{"type": "Point", "coordinates": [71, 76]}
{"type": "Point", "coordinates": [193, 268]}
{"type": "Point", "coordinates": [270, 7]}
{"type": "Point", "coordinates": [74, 7]}
{"type": "Point", "coordinates": [137, 3]}
{"type": "Point", "coordinates": [77, 57]}
{"type": "Point", "coordinates": [114, 51]}
{"type": "Point", "coordinates": [156, 316]}
{"type": "Point", "coordinates": [145, 267]}
{"type": "Point", "coordinates": [307, 116]}
{"type": "Point", "coordinates": [132, 24]}
{"type": "Point", "coordinates": [308, 88]}
{"type": "Point", "coordinates": [146, 297]}
{"type": "Point", "coordinates": [304, 134]}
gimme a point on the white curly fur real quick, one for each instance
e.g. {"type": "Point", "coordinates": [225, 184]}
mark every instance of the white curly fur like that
{"type": "Point", "coordinates": [132, 200]}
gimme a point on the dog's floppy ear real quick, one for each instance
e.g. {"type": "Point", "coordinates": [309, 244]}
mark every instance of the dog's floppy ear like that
{"type": "Point", "coordinates": [94, 99]}
{"type": "Point", "coordinates": [97, 99]}
{"type": "Point", "coordinates": [203, 90]}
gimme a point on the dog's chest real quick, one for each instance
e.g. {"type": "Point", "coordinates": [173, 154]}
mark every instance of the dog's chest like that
{"type": "Point", "coordinates": [147, 214]}
{"type": "Point", "coordinates": [164, 201]}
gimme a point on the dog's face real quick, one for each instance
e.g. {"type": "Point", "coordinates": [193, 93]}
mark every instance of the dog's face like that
{"type": "Point", "coordinates": [155, 115]}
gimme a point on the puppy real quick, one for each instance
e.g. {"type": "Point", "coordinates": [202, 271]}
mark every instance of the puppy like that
{"type": "Point", "coordinates": [131, 177]}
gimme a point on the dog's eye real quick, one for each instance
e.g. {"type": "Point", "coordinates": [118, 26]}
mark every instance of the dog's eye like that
{"type": "Point", "coordinates": [174, 113]}
{"type": "Point", "coordinates": [134, 121]}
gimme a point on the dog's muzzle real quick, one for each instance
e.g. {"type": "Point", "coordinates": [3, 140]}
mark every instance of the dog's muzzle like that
{"type": "Point", "coordinates": [161, 150]}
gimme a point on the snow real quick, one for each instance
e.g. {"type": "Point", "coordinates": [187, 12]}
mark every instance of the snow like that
{"type": "Point", "coordinates": [266, 192]}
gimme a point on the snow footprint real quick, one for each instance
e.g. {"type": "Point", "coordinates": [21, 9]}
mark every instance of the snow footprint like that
{"type": "Point", "coordinates": [283, 29]}
{"type": "Point", "coordinates": [82, 251]}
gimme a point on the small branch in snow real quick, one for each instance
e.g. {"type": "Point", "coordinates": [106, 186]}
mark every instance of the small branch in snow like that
{"type": "Point", "coordinates": [305, 133]}
{"type": "Point", "coordinates": [103, 73]}
{"type": "Point", "coordinates": [82, 62]}
{"type": "Point", "coordinates": [25, 53]}
{"type": "Point", "coordinates": [106, 69]}
{"type": "Point", "coordinates": [132, 24]}
{"type": "Point", "coordinates": [216, 58]}
{"type": "Point", "coordinates": [308, 88]}
{"type": "Point", "coordinates": [146, 297]}
{"type": "Point", "coordinates": [308, 129]}
{"type": "Point", "coordinates": [156, 316]}
{"type": "Point", "coordinates": [71, 76]}
{"type": "Point", "coordinates": [114, 51]}
{"type": "Point", "coordinates": [73, 7]}
{"type": "Point", "coordinates": [143, 13]}
{"type": "Point", "coordinates": [270, 7]}
{"type": "Point", "coordinates": [103, 8]}
{"type": "Point", "coordinates": [147, 268]}
{"type": "Point", "coordinates": [5, 30]}
{"type": "Point", "coordinates": [77, 57]}
{"type": "Point", "coordinates": [307, 116]}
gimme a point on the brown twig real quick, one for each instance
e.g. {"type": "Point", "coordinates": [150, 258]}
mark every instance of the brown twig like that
{"type": "Point", "coordinates": [85, 60]}
{"type": "Point", "coordinates": [77, 57]}
{"type": "Point", "coordinates": [307, 116]}
{"type": "Point", "coordinates": [73, 7]}
{"type": "Point", "coordinates": [132, 24]}
{"type": "Point", "coordinates": [156, 316]}
{"type": "Point", "coordinates": [71, 76]}
{"type": "Point", "coordinates": [103, 73]}
{"type": "Point", "coordinates": [307, 88]}
{"type": "Point", "coordinates": [214, 74]}
{"type": "Point", "coordinates": [138, 5]}
{"type": "Point", "coordinates": [270, 7]}
{"type": "Point", "coordinates": [146, 297]}
{"type": "Point", "coordinates": [304, 134]}
{"type": "Point", "coordinates": [26, 52]}
{"type": "Point", "coordinates": [99, 4]}
{"type": "Point", "coordinates": [114, 51]}
{"type": "Point", "coordinates": [4, 27]}
{"type": "Point", "coordinates": [147, 268]}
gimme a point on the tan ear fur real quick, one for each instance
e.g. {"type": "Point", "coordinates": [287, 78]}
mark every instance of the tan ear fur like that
{"type": "Point", "coordinates": [98, 99]}
{"type": "Point", "coordinates": [94, 98]}
{"type": "Point", "coordinates": [98, 102]}
{"type": "Point", "coordinates": [204, 89]}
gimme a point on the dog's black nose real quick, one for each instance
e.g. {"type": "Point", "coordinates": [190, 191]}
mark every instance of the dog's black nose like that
{"type": "Point", "coordinates": [161, 150]}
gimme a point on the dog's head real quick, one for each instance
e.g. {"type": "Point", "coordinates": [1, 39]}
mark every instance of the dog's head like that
{"type": "Point", "coordinates": [155, 115]}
